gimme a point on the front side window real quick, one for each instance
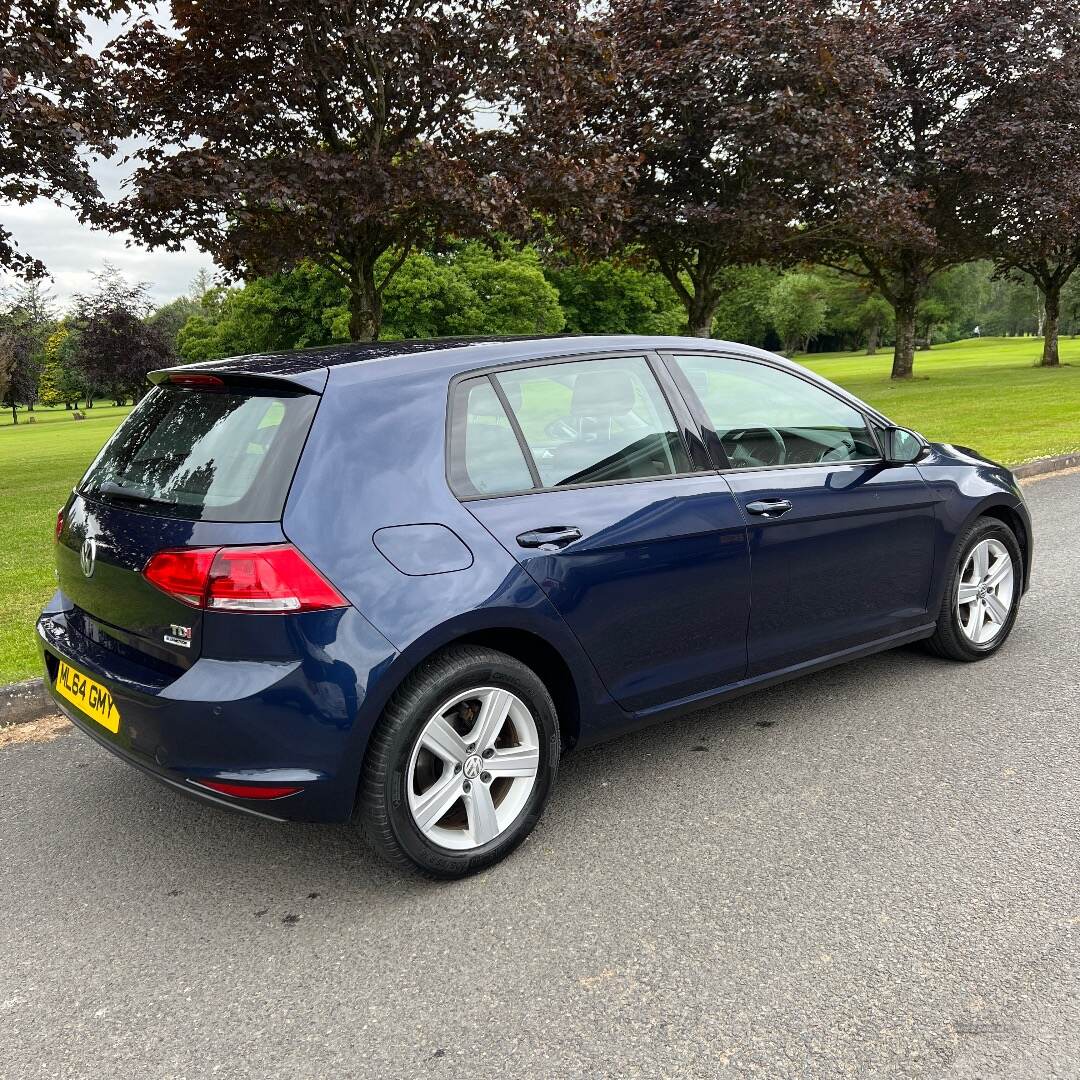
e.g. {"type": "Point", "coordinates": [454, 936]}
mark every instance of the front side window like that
{"type": "Point", "coordinates": [594, 421]}
{"type": "Point", "coordinates": [769, 417]}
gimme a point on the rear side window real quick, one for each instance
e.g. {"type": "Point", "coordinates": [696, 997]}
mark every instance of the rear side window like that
{"type": "Point", "coordinates": [218, 455]}
{"type": "Point", "coordinates": [486, 458]}
{"type": "Point", "coordinates": [595, 421]}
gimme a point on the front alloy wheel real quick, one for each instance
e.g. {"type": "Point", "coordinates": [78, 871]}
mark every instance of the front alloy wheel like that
{"type": "Point", "coordinates": [982, 593]}
{"type": "Point", "coordinates": [460, 765]}
{"type": "Point", "coordinates": [985, 593]}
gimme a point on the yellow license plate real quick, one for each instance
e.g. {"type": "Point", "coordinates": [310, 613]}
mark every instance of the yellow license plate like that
{"type": "Point", "coordinates": [91, 697]}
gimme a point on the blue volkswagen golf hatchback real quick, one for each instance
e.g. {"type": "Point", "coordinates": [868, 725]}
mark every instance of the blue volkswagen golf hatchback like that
{"type": "Point", "coordinates": [394, 582]}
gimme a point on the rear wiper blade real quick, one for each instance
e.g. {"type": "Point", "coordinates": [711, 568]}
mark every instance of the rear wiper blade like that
{"type": "Point", "coordinates": [118, 491]}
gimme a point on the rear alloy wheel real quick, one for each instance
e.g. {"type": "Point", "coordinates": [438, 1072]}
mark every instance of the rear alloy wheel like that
{"type": "Point", "coordinates": [981, 595]}
{"type": "Point", "coordinates": [461, 764]}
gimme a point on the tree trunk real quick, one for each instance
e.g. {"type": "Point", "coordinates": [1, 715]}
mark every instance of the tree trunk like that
{"type": "Point", "coordinates": [365, 304]}
{"type": "Point", "coordinates": [904, 351]}
{"type": "Point", "coordinates": [14, 413]}
{"type": "Point", "coordinates": [872, 338]}
{"type": "Point", "coordinates": [700, 312]}
{"type": "Point", "coordinates": [1050, 357]}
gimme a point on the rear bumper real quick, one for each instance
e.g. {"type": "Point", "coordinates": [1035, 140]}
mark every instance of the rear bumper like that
{"type": "Point", "coordinates": [284, 722]}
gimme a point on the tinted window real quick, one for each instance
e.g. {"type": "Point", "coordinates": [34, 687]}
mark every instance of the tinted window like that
{"type": "Point", "coordinates": [595, 421]}
{"type": "Point", "coordinates": [769, 417]}
{"type": "Point", "coordinates": [223, 456]}
{"type": "Point", "coordinates": [486, 458]}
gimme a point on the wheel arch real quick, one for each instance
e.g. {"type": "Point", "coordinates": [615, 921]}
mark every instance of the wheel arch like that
{"type": "Point", "coordinates": [1010, 516]}
{"type": "Point", "coordinates": [562, 668]}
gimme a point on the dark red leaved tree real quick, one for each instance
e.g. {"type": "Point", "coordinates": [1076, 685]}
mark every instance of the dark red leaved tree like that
{"type": "Point", "coordinates": [947, 76]}
{"type": "Point", "coordinates": [115, 346]}
{"type": "Point", "coordinates": [56, 105]}
{"type": "Point", "coordinates": [738, 113]}
{"type": "Point", "coordinates": [282, 130]}
{"type": "Point", "coordinates": [1025, 158]}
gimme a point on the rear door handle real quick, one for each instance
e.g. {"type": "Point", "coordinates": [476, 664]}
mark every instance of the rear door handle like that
{"type": "Point", "coordinates": [551, 537]}
{"type": "Point", "coordinates": [769, 507]}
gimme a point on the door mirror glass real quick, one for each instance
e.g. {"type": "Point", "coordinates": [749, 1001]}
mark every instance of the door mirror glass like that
{"type": "Point", "coordinates": [902, 447]}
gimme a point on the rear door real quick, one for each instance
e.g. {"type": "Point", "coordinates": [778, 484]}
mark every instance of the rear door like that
{"type": "Point", "coordinates": [581, 469]}
{"type": "Point", "coordinates": [841, 544]}
{"type": "Point", "coordinates": [206, 464]}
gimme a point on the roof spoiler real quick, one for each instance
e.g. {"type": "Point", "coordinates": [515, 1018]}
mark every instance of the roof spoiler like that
{"type": "Point", "coordinates": [225, 373]}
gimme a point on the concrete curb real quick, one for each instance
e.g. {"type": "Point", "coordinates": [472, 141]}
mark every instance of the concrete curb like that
{"type": "Point", "coordinates": [23, 702]}
{"type": "Point", "coordinates": [1044, 465]}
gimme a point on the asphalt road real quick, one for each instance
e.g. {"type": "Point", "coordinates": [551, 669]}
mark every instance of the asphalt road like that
{"type": "Point", "coordinates": [873, 872]}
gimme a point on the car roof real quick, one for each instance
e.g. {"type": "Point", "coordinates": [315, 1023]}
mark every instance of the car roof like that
{"type": "Point", "coordinates": [453, 354]}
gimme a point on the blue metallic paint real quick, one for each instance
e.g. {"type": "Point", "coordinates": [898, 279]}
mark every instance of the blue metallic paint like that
{"type": "Point", "coordinates": [669, 555]}
{"type": "Point", "coordinates": [848, 563]}
{"type": "Point", "coordinates": [649, 611]}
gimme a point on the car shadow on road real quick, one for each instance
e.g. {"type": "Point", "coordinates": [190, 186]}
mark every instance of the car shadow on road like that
{"type": "Point", "coordinates": [137, 826]}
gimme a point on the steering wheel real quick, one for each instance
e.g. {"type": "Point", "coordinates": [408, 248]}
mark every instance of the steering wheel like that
{"type": "Point", "coordinates": [740, 455]}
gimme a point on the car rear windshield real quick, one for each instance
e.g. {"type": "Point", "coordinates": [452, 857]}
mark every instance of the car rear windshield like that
{"type": "Point", "coordinates": [217, 455]}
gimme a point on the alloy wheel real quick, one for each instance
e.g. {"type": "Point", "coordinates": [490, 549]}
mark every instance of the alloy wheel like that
{"type": "Point", "coordinates": [473, 767]}
{"type": "Point", "coordinates": [984, 595]}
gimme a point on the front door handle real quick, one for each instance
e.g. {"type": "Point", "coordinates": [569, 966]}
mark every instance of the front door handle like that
{"type": "Point", "coordinates": [552, 537]}
{"type": "Point", "coordinates": [769, 507]}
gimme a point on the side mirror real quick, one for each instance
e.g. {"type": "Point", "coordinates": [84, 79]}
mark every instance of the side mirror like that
{"type": "Point", "coordinates": [902, 447]}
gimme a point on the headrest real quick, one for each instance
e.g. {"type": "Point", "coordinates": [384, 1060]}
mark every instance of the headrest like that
{"type": "Point", "coordinates": [602, 393]}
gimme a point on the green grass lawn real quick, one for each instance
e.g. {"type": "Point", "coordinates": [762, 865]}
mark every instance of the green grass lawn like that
{"type": "Point", "coordinates": [38, 464]}
{"type": "Point", "coordinates": [986, 394]}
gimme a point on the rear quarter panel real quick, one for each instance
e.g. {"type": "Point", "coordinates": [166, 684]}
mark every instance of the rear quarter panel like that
{"type": "Point", "coordinates": [375, 460]}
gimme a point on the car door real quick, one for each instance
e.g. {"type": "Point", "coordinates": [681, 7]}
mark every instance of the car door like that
{"type": "Point", "coordinates": [841, 543]}
{"type": "Point", "coordinates": [581, 470]}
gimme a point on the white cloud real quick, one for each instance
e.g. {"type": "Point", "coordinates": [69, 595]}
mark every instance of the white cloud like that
{"type": "Point", "coordinates": [73, 252]}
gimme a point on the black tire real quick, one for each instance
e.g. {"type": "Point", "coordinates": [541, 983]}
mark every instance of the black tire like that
{"type": "Point", "coordinates": [949, 640]}
{"type": "Point", "coordinates": [384, 809]}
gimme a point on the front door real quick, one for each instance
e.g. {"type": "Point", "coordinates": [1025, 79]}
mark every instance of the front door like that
{"type": "Point", "coordinates": [644, 557]}
{"type": "Point", "coordinates": [840, 543]}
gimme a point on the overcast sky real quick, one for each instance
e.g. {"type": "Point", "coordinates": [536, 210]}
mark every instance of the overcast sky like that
{"type": "Point", "coordinates": [72, 252]}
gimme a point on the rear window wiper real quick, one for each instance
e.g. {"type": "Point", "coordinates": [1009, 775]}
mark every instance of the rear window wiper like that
{"type": "Point", "coordinates": [111, 489]}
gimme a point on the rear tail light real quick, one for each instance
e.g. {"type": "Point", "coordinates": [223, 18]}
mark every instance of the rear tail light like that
{"type": "Point", "coordinates": [271, 579]}
{"type": "Point", "coordinates": [248, 791]}
{"type": "Point", "coordinates": [59, 522]}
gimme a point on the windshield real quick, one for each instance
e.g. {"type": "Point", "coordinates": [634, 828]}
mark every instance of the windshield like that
{"type": "Point", "coordinates": [219, 455]}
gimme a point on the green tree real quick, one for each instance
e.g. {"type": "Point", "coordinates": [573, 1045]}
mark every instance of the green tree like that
{"type": "Point", "coordinates": [613, 296]}
{"type": "Point", "coordinates": [742, 310]}
{"type": "Point", "coordinates": [52, 375]}
{"type": "Point", "coordinates": [797, 307]}
{"type": "Point", "coordinates": [468, 290]}
{"type": "Point", "coordinates": [514, 296]}
{"type": "Point", "coordinates": [428, 297]}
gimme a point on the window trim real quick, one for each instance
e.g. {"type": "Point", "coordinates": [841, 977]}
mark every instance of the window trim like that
{"type": "Point", "coordinates": [648, 355]}
{"type": "Point", "coordinates": [712, 440]}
